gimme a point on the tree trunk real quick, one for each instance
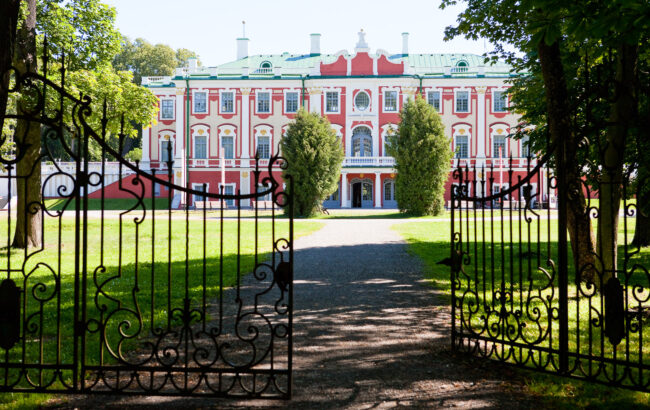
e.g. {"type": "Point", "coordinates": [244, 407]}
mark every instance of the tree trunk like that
{"type": "Point", "coordinates": [559, 124]}
{"type": "Point", "coordinates": [622, 113]}
{"type": "Point", "coordinates": [28, 144]}
{"type": "Point", "coordinates": [642, 229]}
{"type": "Point", "coordinates": [8, 22]}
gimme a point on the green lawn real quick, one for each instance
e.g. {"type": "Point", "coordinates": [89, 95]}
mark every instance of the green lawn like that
{"type": "Point", "coordinates": [131, 267]}
{"type": "Point", "coordinates": [110, 204]}
{"type": "Point", "coordinates": [501, 264]}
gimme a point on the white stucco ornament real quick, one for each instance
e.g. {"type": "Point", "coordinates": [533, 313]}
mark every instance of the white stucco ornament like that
{"type": "Point", "coordinates": [361, 44]}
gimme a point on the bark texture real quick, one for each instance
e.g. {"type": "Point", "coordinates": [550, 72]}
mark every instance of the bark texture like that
{"type": "Point", "coordinates": [611, 187]}
{"type": "Point", "coordinates": [8, 24]}
{"type": "Point", "coordinates": [28, 143]}
{"type": "Point", "coordinates": [642, 229]}
{"type": "Point", "coordinates": [559, 122]}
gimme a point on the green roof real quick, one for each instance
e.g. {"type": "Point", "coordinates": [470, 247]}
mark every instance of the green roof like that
{"type": "Point", "coordinates": [418, 61]}
{"type": "Point", "coordinates": [288, 65]}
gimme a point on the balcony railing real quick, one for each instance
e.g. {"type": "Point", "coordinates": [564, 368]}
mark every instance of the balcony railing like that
{"type": "Point", "coordinates": [456, 70]}
{"type": "Point", "coordinates": [369, 162]}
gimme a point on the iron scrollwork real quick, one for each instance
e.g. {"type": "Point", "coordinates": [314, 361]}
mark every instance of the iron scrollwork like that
{"type": "Point", "coordinates": [145, 321]}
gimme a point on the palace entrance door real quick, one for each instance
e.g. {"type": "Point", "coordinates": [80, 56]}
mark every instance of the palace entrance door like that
{"type": "Point", "coordinates": [362, 194]}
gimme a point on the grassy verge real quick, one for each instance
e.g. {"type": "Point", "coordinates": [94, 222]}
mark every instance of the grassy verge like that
{"type": "Point", "coordinates": [112, 204]}
{"type": "Point", "coordinates": [132, 266]}
{"type": "Point", "coordinates": [429, 240]}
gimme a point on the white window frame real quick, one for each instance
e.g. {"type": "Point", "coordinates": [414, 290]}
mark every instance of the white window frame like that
{"type": "Point", "coordinates": [197, 187]}
{"type": "Point", "coordinates": [354, 101]}
{"type": "Point", "coordinates": [161, 140]}
{"type": "Point", "coordinates": [338, 102]}
{"type": "Point", "coordinates": [524, 141]}
{"type": "Point", "coordinates": [439, 99]}
{"type": "Point", "coordinates": [534, 187]}
{"type": "Point", "coordinates": [468, 132]}
{"type": "Point", "coordinates": [385, 134]}
{"type": "Point", "coordinates": [257, 101]}
{"type": "Point", "coordinates": [352, 135]}
{"type": "Point", "coordinates": [234, 147]}
{"type": "Point", "coordinates": [456, 145]}
{"type": "Point", "coordinates": [263, 198]}
{"type": "Point", "coordinates": [386, 91]}
{"type": "Point", "coordinates": [504, 186]}
{"type": "Point", "coordinates": [207, 101]}
{"type": "Point", "coordinates": [257, 144]}
{"type": "Point", "coordinates": [207, 145]}
{"type": "Point", "coordinates": [173, 101]}
{"type": "Point", "coordinates": [469, 101]}
{"type": "Point", "coordinates": [234, 191]}
{"type": "Point", "coordinates": [388, 181]}
{"type": "Point", "coordinates": [494, 101]}
{"type": "Point", "coordinates": [234, 100]}
{"type": "Point", "coordinates": [286, 101]}
{"type": "Point", "coordinates": [495, 154]}
{"type": "Point", "coordinates": [337, 192]}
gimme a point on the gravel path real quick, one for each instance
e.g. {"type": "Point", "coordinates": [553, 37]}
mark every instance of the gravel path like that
{"type": "Point", "coordinates": [370, 333]}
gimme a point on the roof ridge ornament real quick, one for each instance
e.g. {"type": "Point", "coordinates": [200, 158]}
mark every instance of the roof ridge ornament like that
{"type": "Point", "coordinates": [362, 46]}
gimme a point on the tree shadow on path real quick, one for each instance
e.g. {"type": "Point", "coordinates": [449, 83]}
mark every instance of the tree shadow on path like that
{"type": "Point", "coordinates": [369, 332]}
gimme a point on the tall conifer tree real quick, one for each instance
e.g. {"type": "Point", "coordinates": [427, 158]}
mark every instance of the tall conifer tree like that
{"type": "Point", "coordinates": [422, 154]}
{"type": "Point", "coordinates": [314, 154]}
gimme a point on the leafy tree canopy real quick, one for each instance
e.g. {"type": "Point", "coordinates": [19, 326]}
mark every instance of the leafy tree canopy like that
{"type": "Point", "coordinates": [585, 89]}
{"type": "Point", "coordinates": [145, 59]}
{"type": "Point", "coordinates": [82, 29]}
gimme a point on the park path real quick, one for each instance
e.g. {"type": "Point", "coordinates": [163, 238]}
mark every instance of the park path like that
{"type": "Point", "coordinates": [370, 333]}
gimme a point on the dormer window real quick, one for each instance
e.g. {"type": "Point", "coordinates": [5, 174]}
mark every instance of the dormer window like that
{"type": "Point", "coordinates": [461, 67]}
{"type": "Point", "coordinates": [265, 68]}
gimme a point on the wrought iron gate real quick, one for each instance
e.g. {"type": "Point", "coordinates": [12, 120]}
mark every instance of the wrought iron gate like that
{"type": "Point", "coordinates": [146, 300]}
{"type": "Point", "coordinates": [520, 297]}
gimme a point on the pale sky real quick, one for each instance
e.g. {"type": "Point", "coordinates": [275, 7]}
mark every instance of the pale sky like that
{"type": "Point", "coordinates": [210, 27]}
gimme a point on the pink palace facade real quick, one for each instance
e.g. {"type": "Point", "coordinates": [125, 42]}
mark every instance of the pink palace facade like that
{"type": "Point", "coordinates": [214, 119]}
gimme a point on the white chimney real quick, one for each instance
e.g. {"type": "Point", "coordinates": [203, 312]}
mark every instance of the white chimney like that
{"type": "Point", "coordinates": [405, 44]}
{"type": "Point", "coordinates": [242, 48]}
{"type": "Point", "coordinates": [315, 44]}
{"type": "Point", "coordinates": [192, 63]}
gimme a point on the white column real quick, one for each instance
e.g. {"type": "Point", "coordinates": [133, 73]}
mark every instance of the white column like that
{"type": "Point", "coordinates": [479, 133]}
{"type": "Point", "coordinates": [180, 126]}
{"type": "Point", "coordinates": [179, 157]}
{"type": "Point", "coordinates": [377, 189]}
{"type": "Point", "coordinates": [245, 123]}
{"type": "Point", "coordinates": [375, 121]}
{"type": "Point", "coordinates": [245, 186]}
{"type": "Point", "coordinates": [344, 190]}
{"type": "Point", "coordinates": [315, 100]}
{"type": "Point", "coordinates": [348, 121]}
{"type": "Point", "coordinates": [146, 148]}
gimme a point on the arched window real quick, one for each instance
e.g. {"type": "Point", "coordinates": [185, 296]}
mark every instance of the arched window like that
{"type": "Point", "coordinates": [389, 190]}
{"type": "Point", "coordinates": [266, 64]}
{"type": "Point", "coordinates": [389, 194]}
{"type": "Point", "coordinates": [462, 64]}
{"type": "Point", "coordinates": [390, 131]}
{"type": "Point", "coordinates": [361, 142]}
